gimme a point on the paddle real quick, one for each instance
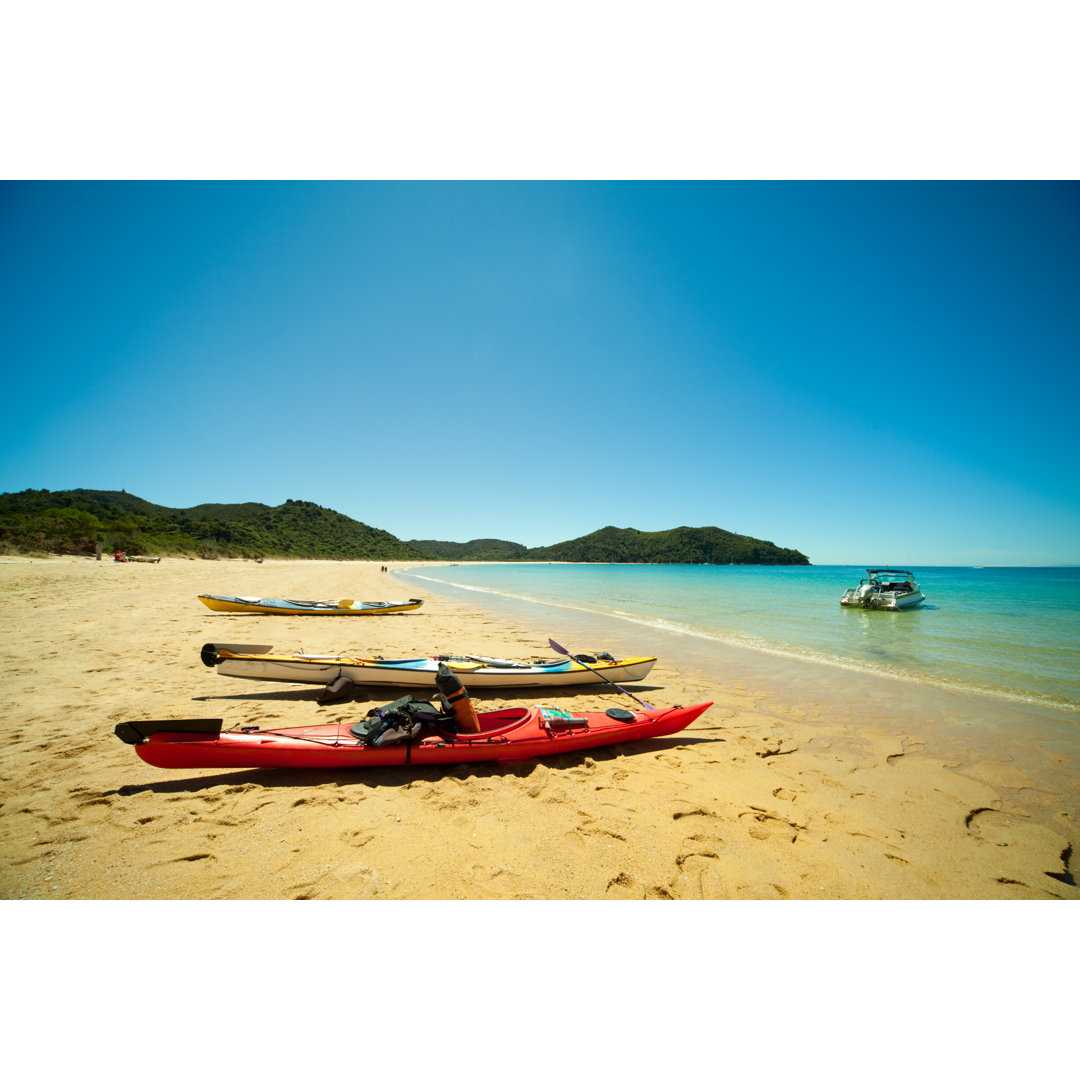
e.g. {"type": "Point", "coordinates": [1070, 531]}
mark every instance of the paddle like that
{"type": "Point", "coordinates": [559, 649]}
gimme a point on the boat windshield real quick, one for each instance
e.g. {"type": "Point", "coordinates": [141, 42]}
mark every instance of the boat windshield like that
{"type": "Point", "coordinates": [891, 580]}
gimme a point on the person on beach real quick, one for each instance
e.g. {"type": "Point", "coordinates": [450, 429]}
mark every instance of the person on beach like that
{"type": "Point", "coordinates": [120, 556]}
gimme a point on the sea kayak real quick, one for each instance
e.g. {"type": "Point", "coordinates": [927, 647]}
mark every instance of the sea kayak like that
{"type": "Point", "coordinates": [253, 605]}
{"type": "Point", "coordinates": [476, 672]}
{"type": "Point", "coordinates": [514, 734]}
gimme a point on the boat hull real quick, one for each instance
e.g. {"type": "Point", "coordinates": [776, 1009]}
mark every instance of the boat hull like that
{"type": "Point", "coordinates": [884, 589]}
{"type": "Point", "coordinates": [323, 670]}
{"type": "Point", "coordinates": [883, 601]}
{"type": "Point", "coordinates": [249, 605]}
{"type": "Point", "coordinates": [905, 600]}
{"type": "Point", "coordinates": [517, 734]}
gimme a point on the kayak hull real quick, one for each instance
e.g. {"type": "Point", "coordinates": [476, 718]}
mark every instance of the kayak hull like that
{"type": "Point", "coordinates": [516, 734]}
{"type": "Point", "coordinates": [251, 605]}
{"type": "Point", "coordinates": [420, 672]}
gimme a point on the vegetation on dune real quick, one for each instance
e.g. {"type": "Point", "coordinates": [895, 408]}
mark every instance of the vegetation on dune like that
{"type": "Point", "coordinates": [74, 522]}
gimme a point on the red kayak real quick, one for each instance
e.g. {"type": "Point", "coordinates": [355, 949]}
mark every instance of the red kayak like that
{"type": "Point", "coordinates": [515, 734]}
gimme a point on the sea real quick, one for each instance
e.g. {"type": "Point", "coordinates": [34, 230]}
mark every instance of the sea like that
{"type": "Point", "coordinates": [991, 648]}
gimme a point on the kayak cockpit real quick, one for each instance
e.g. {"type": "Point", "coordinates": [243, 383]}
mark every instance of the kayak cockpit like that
{"type": "Point", "coordinates": [497, 723]}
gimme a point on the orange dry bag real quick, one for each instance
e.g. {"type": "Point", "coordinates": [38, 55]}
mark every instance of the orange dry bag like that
{"type": "Point", "coordinates": [450, 687]}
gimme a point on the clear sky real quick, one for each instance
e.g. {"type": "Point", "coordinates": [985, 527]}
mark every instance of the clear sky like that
{"type": "Point", "coordinates": [868, 372]}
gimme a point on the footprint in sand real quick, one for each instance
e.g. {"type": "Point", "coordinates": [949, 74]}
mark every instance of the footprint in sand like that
{"type": "Point", "coordinates": [598, 831]}
{"type": "Point", "coordinates": [763, 890]}
{"type": "Point", "coordinates": [776, 747]}
{"type": "Point", "coordinates": [625, 886]}
{"type": "Point", "coordinates": [699, 876]}
{"type": "Point", "coordinates": [357, 837]}
{"type": "Point", "coordinates": [785, 794]}
{"type": "Point", "coordinates": [764, 825]}
{"type": "Point", "coordinates": [695, 812]}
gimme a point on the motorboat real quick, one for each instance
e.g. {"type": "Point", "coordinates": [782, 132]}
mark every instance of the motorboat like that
{"type": "Point", "coordinates": [884, 590]}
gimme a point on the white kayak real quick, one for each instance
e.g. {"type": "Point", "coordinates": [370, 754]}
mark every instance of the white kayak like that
{"type": "Point", "coordinates": [475, 672]}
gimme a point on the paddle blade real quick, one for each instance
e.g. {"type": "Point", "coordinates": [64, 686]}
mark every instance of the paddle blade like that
{"type": "Point", "coordinates": [211, 651]}
{"type": "Point", "coordinates": [557, 647]}
{"type": "Point", "coordinates": [134, 732]}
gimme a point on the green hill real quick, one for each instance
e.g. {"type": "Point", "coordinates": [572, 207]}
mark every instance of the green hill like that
{"type": "Point", "coordinates": [682, 545]}
{"type": "Point", "coordinates": [72, 522]}
{"type": "Point", "coordinates": [472, 551]}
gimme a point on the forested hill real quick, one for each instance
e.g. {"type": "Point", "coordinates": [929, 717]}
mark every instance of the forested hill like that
{"type": "Point", "coordinates": [471, 551]}
{"type": "Point", "coordinates": [682, 545]}
{"type": "Point", "coordinates": [72, 522]}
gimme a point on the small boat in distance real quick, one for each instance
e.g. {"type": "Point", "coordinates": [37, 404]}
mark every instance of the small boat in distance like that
{"type": "Point", "coordinates": [253, 605]}
{"type": "Point", "coordinates": [884, 590]}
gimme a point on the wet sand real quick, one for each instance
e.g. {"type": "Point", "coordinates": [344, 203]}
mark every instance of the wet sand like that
{"type": "Point", "coordinates": [756, 800]}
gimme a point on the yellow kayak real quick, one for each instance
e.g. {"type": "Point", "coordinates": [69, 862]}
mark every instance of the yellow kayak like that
{"type": "Point", "coordinates": [252, 605]}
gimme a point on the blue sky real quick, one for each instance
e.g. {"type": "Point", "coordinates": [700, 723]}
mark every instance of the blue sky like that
{"type": "Point", "coordinates": [868, 372]}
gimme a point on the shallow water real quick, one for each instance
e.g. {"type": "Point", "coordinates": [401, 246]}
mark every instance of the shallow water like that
{"type": "Point", "coordinates": [986, 670]}
{"type": "Point", "coordinates": [1012, 634]}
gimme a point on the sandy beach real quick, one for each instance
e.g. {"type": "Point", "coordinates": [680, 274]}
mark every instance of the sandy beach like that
{"type": "Point", "coordinates": [754, 801]}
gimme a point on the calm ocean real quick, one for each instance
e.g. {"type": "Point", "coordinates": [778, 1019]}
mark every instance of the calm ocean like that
{"type": "Point", "coordinates": [1005, 633]}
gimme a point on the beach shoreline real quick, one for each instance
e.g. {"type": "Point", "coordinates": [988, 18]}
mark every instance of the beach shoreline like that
{"type": "Point", "coordinates": [960, 725]}
{"type": "Point", "coordinates": [763, 797]}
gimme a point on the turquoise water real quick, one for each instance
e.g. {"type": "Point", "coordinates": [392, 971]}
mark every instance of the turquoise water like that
{"type": "Point", "coordinates": [1002, 632]}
